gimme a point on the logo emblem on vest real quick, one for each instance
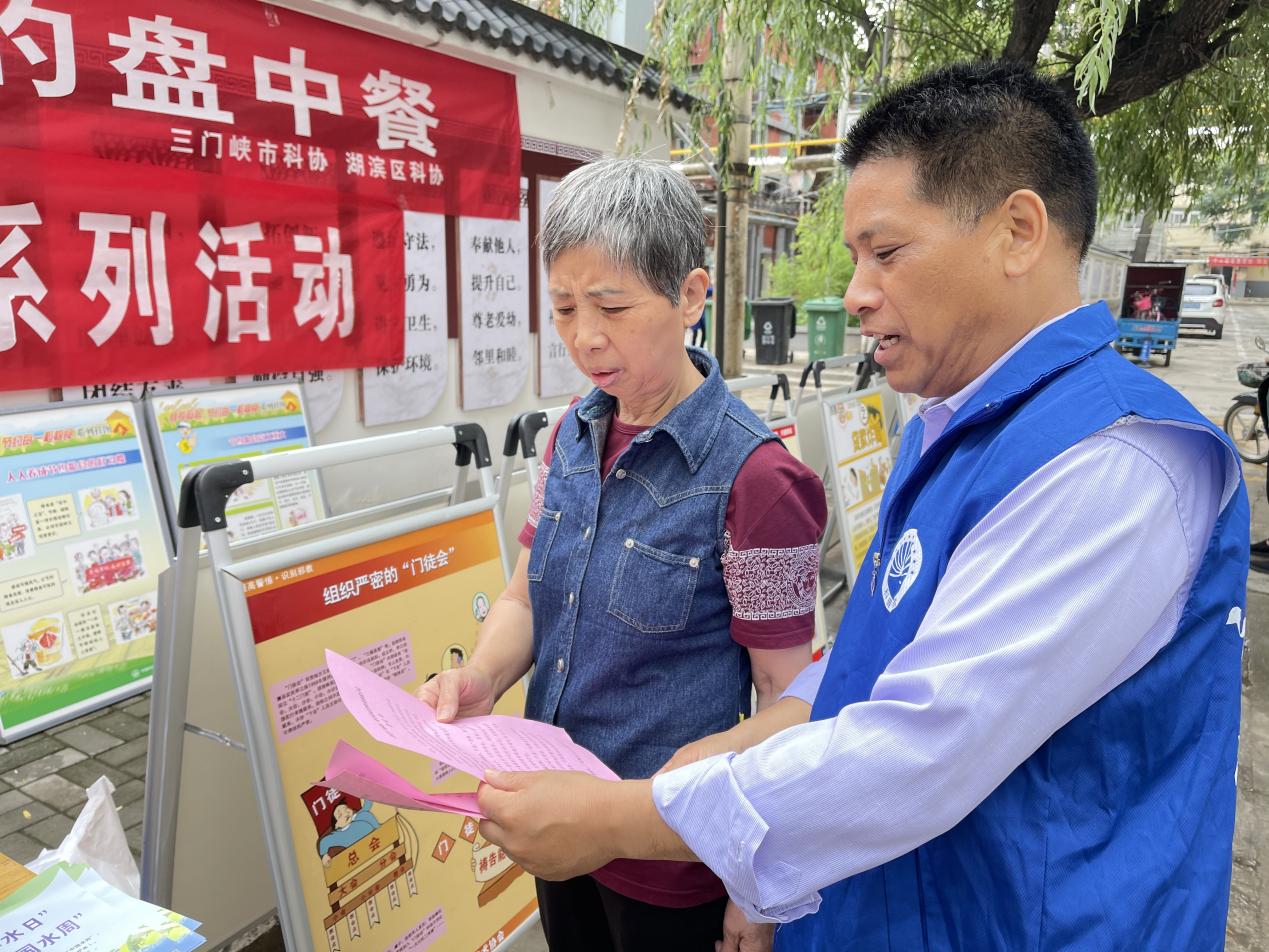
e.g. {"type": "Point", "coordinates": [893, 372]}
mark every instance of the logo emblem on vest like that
{"type": "Point", "coordinates": [1238, 621]}
{"type": "Point", "coordinates": [902, 570]}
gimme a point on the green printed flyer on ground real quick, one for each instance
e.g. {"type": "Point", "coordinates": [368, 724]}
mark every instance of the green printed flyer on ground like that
{"type": "Point", "coordinates": [238, 423]}
{"type": "Point", "coordinates": [81, 548]}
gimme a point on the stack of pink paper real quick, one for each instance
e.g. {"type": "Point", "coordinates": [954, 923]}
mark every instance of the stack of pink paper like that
{"type": "Point", "coordinates": [473, 745]}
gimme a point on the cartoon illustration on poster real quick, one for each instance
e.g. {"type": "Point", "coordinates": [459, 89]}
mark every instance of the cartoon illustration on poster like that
{"type": "Point", "coordinates": [105, 561]}
{"type": "Point", "coordinates": [858, 442]}
{"type": "Point", "coordinates": [35, 645]}
{"type": "Point", "coordinates": [15, 530]}
{"type": "Point", "coordinates": [239, 423]}
{"type": "Point", "coordinates": [109, 505]}
{"type": "Point", "coordinates": [134, 618]}
{"type": "Point", "coordinates": [375, 877]}
{"type": "Point", "coordinates": [78, 492]}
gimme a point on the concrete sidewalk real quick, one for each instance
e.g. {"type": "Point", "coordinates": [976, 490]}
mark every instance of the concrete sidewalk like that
{"type": "Point", "coordinates": [42, 777]}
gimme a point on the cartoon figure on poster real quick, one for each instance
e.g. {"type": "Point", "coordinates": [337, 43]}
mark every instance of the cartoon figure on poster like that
{"type": "Point", "coordinates": [480, 606]}
{"type": "Point", "coordinates": [134, 618]}
{"type": "Point", "coordinates": [864, 422]}
{"type": "Point", "coordinates": [361, 856]}
{"type": "Point", "coordinates": [491, 868]}
{"type": "Point", "coordinates": [455, 657]}
{"type": "Point", "coordinates": [106, 561]}
{"type": "Point", "coordinates": [188, 438]}
{"type": "Point", "coordinates": [35, 645]}
{"type": "Point", "coordinates": [107, 505]}
{"type": "Point", "coordinates": [15, 530]}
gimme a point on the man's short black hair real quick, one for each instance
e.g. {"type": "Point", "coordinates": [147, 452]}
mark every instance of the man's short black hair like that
{"type": "Point", "coordinates": [977, 132]}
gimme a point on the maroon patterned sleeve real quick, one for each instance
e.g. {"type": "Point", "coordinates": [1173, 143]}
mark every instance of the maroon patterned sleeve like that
{"type": "Point", "coordinates": [771, 558]}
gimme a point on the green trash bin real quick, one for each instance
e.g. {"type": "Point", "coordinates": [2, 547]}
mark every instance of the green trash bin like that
{"type": "Point", "coordinates": [825, 327]}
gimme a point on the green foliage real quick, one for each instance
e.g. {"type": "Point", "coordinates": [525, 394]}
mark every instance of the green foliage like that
{"type": "Point", "coordinates": [1104, 20]}
{"type": "Point", "coordinates": [1234, 205]}
{"type": "Point", "coordinates": [819, 265]}
{"type": "Point", "coordinates": [1215, 116]}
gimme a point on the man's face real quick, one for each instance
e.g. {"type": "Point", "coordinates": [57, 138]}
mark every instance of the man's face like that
{"type": "Point", "coordinates": [343, 816]}
{"type": "Point", "coordinates": [923, 284]}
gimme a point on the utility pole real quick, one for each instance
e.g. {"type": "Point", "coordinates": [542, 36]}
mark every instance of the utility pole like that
{"type": "Point", "coordinates": [739, 185]}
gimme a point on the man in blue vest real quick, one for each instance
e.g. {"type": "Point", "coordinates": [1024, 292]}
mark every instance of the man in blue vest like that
{"type": "Point", "coordinates": [1026, 735]}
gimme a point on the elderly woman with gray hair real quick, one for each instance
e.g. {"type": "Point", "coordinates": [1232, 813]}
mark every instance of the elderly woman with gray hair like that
{"type": "Point", "coordinates": [670, 556]}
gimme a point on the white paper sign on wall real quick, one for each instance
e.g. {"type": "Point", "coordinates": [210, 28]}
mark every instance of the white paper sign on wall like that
{"type": "Point", "coordinates": [493, 270]}
{"type": "Point", "coordinates": [558, 376]}
{"type": "Point", "coordinates": [412, 389]}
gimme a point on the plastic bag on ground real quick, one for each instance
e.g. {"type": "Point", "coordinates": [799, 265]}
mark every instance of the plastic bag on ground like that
{"type": "Point", "coordinates": [97, 839]}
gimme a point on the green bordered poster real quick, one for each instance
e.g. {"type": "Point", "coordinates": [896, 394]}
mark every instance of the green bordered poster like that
{"type": "Point", "coordinates": [81, 548]}
{"type": "Point", "coordinates": [210, 426]}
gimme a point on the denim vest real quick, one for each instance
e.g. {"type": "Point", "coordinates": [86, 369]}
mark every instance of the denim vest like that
{"type": "Point", "coordinates": [631, 621]}
{"type": "Point", "coordinates": [1117, 833]}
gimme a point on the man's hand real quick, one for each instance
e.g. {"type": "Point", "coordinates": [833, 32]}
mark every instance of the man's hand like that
{"type": "Point", "coordinates": [550, 822]}
{"type": "Point", "coordinates": [459, 692]}
{"type": "Point", "coordinates": [559, 824]}
{"type": "Point", "coordinates": [741, 935]}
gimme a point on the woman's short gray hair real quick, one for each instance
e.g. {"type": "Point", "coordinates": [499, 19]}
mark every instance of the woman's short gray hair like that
{"type": "Point", "coordinates": [644, 215]}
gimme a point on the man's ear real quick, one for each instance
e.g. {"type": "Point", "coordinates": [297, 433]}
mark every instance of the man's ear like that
{"type": "Point", "coordinates": [692, 296]}
{"type": "Point", "coordinates": [1026, 233]}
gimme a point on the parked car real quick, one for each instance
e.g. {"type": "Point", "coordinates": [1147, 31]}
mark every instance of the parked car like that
{"type": "Point", "coordinates": [1203, 301]}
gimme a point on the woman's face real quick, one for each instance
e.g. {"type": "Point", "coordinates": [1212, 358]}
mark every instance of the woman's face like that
{"type": "Point", "coordinates": [625, 337]}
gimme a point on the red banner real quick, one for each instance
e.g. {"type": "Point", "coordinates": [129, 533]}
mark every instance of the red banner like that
{"type": "Point", "coordinates": [213, 189]}
{"type": "Point", "coordinates": [1237, 261]}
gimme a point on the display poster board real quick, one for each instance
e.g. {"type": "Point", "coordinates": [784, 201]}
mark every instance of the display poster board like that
{"type": "Point", "coordinates": [81, 548]}
{"type": "Point", "coordinates": [900, 409]}
{"type": "Point", "coordinates": [558, 376]}
{"type": "Point", "coordinates": [322, 391]}
{"type": "Point", "coordinates": [212, 426]}
{"type": "Point", "coordinates": [411, 389]}
{"type": "Point", "coordinates": [857, 442]}
{"type": "Point", "coordinates": [493, 273]}
{"type": "Point", "coordinates": [375, 878]}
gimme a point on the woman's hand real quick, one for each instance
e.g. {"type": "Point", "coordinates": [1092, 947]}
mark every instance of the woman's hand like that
{"type": "Point", "coordinates": [723, 743]}
{"type": "Point", "coordinates": [459, 692]}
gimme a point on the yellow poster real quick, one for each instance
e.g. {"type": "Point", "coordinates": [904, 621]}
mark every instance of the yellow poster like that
{"type": "Point", "coordinates": [375, 878]}
{"type": "Point", "coordinates": [859, 451]}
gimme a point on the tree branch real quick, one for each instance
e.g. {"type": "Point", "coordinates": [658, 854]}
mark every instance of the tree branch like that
{"type": "Point", "coordinates": [1156, 51]}
{"type": "Point", "coordinates": [1029, 28]}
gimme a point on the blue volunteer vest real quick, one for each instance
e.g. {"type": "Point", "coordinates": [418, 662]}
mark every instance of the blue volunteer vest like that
{"type": "Point", "coordinates": [632, 637]}
{"type": "Point", "coordinates": [1117, 833]}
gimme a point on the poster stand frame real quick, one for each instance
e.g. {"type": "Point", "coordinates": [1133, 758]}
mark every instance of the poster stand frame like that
{"type": "Point", "coordinates": [171, 498]}
{"type": "Point", "coordinates": [201, 514]}
{"type": "Point", "coordinates": [520, 445]}
{"type": "Point", "coordinates": [864, 370]}
{"type": "Point", "coordinates": [149, 464]}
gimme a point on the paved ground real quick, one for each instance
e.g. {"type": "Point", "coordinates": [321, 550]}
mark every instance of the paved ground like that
{"type": "Point", "coordinates": [42, 778]}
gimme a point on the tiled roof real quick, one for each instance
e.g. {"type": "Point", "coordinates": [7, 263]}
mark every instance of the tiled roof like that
{"type": "Point", "coordinates": [507, 25]}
